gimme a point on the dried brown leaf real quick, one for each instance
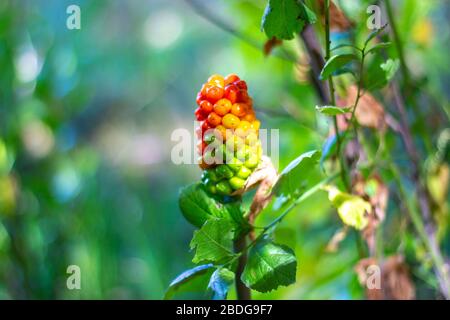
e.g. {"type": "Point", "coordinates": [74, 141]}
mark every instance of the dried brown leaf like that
{"type": "Point", "coordinates": [395, 281]}
{"type": "Point", "coordinates": [270, 45]}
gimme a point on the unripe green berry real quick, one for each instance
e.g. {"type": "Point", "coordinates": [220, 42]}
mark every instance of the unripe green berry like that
{"type": "Point", "coordinates": [243, 172]}
{"type": "Point", "coordinates": [223, 187]}
{"type": "Point", "coordinates": [224, 171]}
{"type": "Point", "coordinates": [252, 161]}
{"type": "Point", "coordinates": [235, 164]}
{"type": "Point", "coordinates": [237, 183]}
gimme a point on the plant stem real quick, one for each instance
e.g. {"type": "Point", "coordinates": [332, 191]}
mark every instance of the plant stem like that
{"type": "Point", "coordinates": [299, 200]}
{"type": "Point", "coordinates": [429, 240]}
{"type": "Point", "coordinates": [242, 292]}
{"type": "Point", "coordinates": [333, 98]}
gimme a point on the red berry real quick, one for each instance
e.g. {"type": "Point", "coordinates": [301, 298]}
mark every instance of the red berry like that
{"type": "Point", "coordinates": [199, 98]}
{"type": "Point", "coordinates": [241, 84]}
{"type": "Point", "coordinates": [200, 115]}
{"type": "Point", "coordinates": [231, 93]}
{"type": "Point", "coordinates": [243, 96]}
{"type": "Point", "coordinates": [231, 78]}
{"type": "Point", "coordinates": [201, 146]}
{"type": "Point", "coordinates": [205, 127]}
{"type": "Point", "coordinates": [206, 106]}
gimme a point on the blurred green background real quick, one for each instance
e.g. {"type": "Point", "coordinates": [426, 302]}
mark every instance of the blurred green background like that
{"type": "Point", "coordinates": [86, 118]}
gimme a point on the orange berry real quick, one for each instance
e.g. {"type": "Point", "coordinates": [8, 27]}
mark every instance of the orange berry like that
{"type": "Point", "coordinates": [214, 93]}
{"type": "Point", "coordinates": [214, 119]}
{"type": "Point", "coordinates": [250, 116]}
{"type": "Point", "coordinates": [217, 80]}
{"type": "Point", "coordinates": [239, 109]}
{"type": "Point", "coordinates": [222, 107]}
{"type": "Point", "coordinates": [231, 78]}
{"type": "Point", "coordinates": [230, 121]}
{"type": "Point", "coordinates": [204, 89]}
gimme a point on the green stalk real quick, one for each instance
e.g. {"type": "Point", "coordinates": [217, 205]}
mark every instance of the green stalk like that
{"type": "Point", "coordinates": [333, 98]}
{"type": "Point", "coordinates": [436, 257]}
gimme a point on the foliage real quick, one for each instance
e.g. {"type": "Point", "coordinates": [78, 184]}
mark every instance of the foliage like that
{"type": "Point", "coordinates": [86, 179]}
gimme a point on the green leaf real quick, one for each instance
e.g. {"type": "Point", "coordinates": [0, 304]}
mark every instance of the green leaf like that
{"type": "Point", "coordinates": [378, 46]}
{"type": "Point", "coordinates": [294, 177]}
{"type": "Point", "coordinates": [351, 209]}
{"type": "Point", "coordinates": [390, 67]}
{"type": "Point", "coordinates": [213, 242]}
{"type": "Point", "coordinates": [380, 72]}
{"type": "Point", "coordinates": [188, 281]}
{"type": "Point", "coordinates": [373, 34]}
{"type": "Point", "coordinates": [197, 205]}
{"type": "Point", "coordinates": [335, 63]}
{"type": "Point", "coordinates": [220, 282]}
{"type": "Point", "coordinates": [269, 266]}
{"type": "Point", "coordinates": [345, 45]}
{"type": "Point", "coordinates": [284, 18]}
{"type": "Point", "coordinates": [332, 110]}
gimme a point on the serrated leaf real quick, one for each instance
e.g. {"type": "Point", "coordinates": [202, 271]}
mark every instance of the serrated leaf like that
{"type": "Point", "coordinates": [378, 46]}
{"type": "Point", "coordinates": [213, 242]}
{"type": "Point", "coordinates": [282, 19]}
{"type": "Point", "coordinates": [197, 205]}
{"type": "Point", "coordinates": [335, 63]}
{"type": "Point", "coordinates": [332, 110]}
{"type": "Point", "coordinates": [294, 177]}
{"type": "Point", "coordinates": [352, 209]}
{"type": "Point", "coordinates": [269, 266]}
{"type": "Point", "coordinates": [220, 282]}
{"type": "Point", "coordinates": [188, 277]}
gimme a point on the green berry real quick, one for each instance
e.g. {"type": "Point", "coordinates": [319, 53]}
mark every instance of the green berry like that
{"type": "Point", "coordinates": [212, 188]}
{"type": "Point", "coordinates": [243, 172]}
{"type": "Point", "coordinates": [224, 171]}
{"type": "Point", "coordinates": [252, 161]}
{"type": "Point", "coordinates": [235, 164]}
{"type": "Point", "coordinates": [211, 175]}
{"type": "Point", "coordinates": [223, 187]}
{"type": "Point", "coordinates": [237, 183]}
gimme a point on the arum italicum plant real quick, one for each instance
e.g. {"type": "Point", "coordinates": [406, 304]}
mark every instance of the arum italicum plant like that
{"type": "Point", "coordinates": [229, 245]}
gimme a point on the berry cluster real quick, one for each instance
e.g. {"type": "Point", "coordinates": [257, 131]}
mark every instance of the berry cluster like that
{"type": "Point", "coordinates": [229, 146]}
